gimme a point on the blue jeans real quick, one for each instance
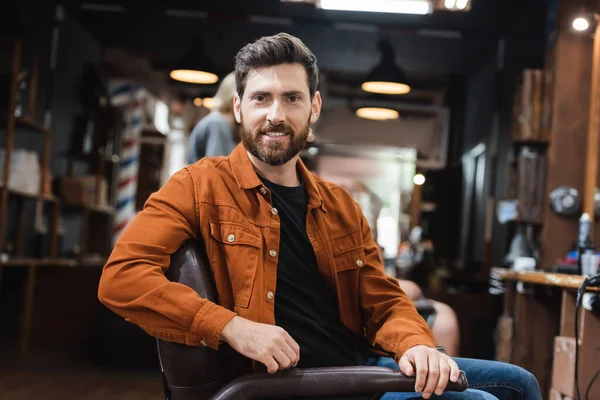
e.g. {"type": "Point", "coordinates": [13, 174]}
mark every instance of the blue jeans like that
{"type": "Point", "coordinates": [488, 380]}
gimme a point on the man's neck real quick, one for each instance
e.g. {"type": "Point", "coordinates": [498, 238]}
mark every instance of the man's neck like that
{"type": "Point", "coordinates": [284, 175]}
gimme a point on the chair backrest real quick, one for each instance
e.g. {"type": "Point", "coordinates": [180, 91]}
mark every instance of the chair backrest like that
{"type": "Point", "coordinates": [191, 372]}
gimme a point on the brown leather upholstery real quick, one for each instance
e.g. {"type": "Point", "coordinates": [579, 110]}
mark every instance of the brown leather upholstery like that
{"type": "Point", "coordinates": [200, 373]}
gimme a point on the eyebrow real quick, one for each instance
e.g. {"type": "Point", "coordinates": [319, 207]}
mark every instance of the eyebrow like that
{"type": "Point", "coordinates": [288, 93]}
{"type": "Point", "coordinates": [293, 93]}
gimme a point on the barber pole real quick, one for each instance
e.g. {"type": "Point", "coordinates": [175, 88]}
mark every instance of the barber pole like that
{"type": "Point", "coordinates": [131, 99]}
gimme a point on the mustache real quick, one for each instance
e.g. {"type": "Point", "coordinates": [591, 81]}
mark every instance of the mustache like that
{"type": "Point", "coordinates": [269, 128]}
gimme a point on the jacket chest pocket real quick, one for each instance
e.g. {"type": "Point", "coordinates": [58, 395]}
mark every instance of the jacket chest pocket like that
{"type": "Point", "coordinates": [347, 264]}
{"type": "Point", "coordinates": [237, 249]}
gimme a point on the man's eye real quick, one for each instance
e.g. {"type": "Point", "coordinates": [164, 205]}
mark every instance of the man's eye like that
{"type": "Point", "coordinates": [259, 98]}
{"type": "Point", "coordinates": [294, 98]}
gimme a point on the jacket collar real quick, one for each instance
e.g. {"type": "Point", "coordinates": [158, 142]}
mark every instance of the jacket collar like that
{"type": "Point", "coordinates": [247, 178]}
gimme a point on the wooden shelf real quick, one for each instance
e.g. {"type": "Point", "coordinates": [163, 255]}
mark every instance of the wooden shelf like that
{"type": "Point", "coordinates": [100, 209]}
{"type": "Point", "coordinates": [531, 142]}
{"type": "Point", "coordinates": [92, 208]}
{"type": "Point", "coordinates": [92, 262]}
{"type": "Point", "coordinates": [25, 123]}
{"type": "Point", "coordinates": [56, 262]}
{"type": "Point", "coordinates": [44, 197]}
{"type": "Point", "coordinates": [538, 277]}
{"type": "Point", "coordinates": [43, 262]}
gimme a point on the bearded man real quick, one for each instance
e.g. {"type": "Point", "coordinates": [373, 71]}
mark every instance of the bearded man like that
{"type": "Point", "coordinates": [298, 274]}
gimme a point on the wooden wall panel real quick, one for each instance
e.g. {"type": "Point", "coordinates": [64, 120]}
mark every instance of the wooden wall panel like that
{"type": "Point", "coordinates": [571, 60]}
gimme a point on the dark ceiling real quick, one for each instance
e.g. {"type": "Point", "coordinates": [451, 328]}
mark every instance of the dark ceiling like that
{"type": "Point", "coordinates": [432, 49]}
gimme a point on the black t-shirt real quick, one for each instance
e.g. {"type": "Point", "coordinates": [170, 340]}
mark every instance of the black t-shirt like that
{"type": "Point", "coordinates": [304, 305]}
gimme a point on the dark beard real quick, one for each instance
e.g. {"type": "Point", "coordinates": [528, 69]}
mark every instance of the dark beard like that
{"type": "Point", "coordinates": [273, 153]}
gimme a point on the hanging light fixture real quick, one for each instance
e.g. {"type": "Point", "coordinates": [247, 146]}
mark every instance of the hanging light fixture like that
{"type": "Point", "coordinates": [195, 66]}
{"type": "Point", "coordinates": [208, 102]}
{"type": "Point", "coordinates": [377, 113]}
{"type": "Point", "coordinates": [386, 77]}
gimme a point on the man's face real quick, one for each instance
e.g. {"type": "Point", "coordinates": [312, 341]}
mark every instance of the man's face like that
{"type": "Point", "coordinates": [275, 112]}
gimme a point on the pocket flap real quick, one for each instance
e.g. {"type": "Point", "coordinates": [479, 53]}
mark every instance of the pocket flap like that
{"type": "Point", "coordinates": [234, 234]}
{"type": "Point", "coordinates": [349, 259]}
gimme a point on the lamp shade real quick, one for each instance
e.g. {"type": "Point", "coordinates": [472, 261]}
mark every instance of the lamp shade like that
{"type": "Point", "coordinates": [194, 66]}
{"type": "Point", "coordinates": [377, 113]}
{"type": "Point", "coordinates": [386, 77]}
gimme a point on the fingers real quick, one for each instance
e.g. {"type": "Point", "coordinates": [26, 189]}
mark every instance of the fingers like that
{"type": "Point", "coordinates": [295, 348]}
{"type": "Point", "coordinates": [271, 364]}
{"type": "Point", "coordinates": [444, 375]}
{"type": "Point", "coordinates": [420, 361]}
{"type": "Point", "coordinates": [406, 366]}
{"type": "Point", "coordinates": [433, 373]}
{"type": "Point", "coordinates": [290, 355]}
{"type": "Point", "coordinates": [282, 359]}
{"type": "Point", "coordinates": [454, 370]}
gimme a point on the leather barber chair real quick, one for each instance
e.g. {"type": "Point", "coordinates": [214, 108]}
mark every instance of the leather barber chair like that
{"type": "Point", "coordinates": [201, 373]}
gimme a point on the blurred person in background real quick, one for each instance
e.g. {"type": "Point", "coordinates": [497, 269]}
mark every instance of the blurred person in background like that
{"type": "Point", "coordinates": [217, 133]}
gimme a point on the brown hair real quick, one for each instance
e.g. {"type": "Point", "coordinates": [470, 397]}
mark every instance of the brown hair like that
{"type": "Point", "coordinates": [268, 51]}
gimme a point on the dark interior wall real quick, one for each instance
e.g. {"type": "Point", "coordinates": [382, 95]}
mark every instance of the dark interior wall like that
{"type": "Point", "coordinates": [480, 104]}
{"type": "Point", "coordinates": [480, 107]}
{"type": "Point", "coordinates": [472, 100]}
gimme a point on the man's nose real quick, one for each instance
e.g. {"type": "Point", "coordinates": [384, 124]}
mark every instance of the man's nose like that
{"type": "Point", "coordinates": [276, 114]}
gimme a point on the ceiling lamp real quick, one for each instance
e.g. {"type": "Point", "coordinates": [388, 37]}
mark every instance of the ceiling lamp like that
{"type": "Point", "coordinates": [382, 6]}
{"type": "Point", "coordinates": [457, 5]}
{"type": "Point", "coordinates": [419, 179]}
{"type": "Point", "coordinates": [377, 114]}
{"type": "Point", "coordinates": [208, 102]}
{"type": "Point", "coordinates": [581, 24]}
{"type": "Point", "coordinates": [195, 66]}
{"type": "Point", "coordinates": [386, 77]}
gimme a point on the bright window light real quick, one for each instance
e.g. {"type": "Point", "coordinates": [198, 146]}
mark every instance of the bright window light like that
{"type": "Point", "coordinates": [161, 117]}
{"type": "Point", "coordinates": [382, 6]}
{"type": "Point", "coordinates": [449, 4]}
{"type": "Point", "coordinates": [462, 4]}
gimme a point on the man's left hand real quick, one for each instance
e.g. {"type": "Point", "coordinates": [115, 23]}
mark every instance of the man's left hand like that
{"type": "Point", "coordinates": [433, 369]}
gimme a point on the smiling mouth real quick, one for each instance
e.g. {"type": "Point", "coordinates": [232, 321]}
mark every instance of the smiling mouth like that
{"type": "Point", "coordinates": [275, 134]}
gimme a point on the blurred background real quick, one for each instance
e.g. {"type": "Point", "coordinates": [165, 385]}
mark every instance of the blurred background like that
{"type": "Point", "coordinates": [472, 154]}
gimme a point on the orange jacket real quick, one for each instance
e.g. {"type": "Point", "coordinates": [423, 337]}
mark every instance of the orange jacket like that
{"type": "Point", "coordinates": [223, 202]}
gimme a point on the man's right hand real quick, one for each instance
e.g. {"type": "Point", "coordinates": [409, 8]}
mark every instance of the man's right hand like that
{"type": "Point", "coordinates": [268, 344]}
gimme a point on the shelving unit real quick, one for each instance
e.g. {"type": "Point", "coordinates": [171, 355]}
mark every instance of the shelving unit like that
{"type": "Point", "coordinates": [96, 218]}
{"type": "Point", "coordinates": [528, 161]}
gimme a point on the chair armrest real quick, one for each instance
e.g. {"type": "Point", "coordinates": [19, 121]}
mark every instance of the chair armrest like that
{"type": "Point", "coordinates": [318, 382]}
{"type": "Point", "coordinates": [424, 306]}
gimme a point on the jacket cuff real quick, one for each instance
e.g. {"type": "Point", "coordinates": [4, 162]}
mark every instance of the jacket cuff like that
{"type": "Point", "coordinates": [208, 324]}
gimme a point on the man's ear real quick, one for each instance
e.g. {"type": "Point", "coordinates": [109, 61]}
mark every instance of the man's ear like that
{"type": "Point", "coordinates": [237, 106]}
{"type": "Point", "coordinates": [316, 107]}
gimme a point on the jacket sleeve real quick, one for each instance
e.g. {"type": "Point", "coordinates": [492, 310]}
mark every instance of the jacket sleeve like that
{"type": "Point", "coordinates": [391, 320]}
{"type": "Point", "coordinates": [133, 283]}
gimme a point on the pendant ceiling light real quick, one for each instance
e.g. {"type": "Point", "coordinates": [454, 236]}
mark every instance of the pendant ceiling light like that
{"type": "Point", "coordinates": [377, 113]}
{"type": "Point", "coordinates": [386, 77]}
{"type": "Point", "coordinates": [195, 66]}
